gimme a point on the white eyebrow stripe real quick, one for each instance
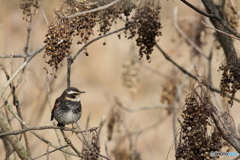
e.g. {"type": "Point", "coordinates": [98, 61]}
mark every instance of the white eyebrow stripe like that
{"type": "Point", "coordinates": [73, 99]}
{"type": "Point", "coordinates": [72, 92]}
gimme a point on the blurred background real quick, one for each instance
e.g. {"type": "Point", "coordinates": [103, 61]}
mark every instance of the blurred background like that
{"type": "Point", "coordinates": [113, 77]}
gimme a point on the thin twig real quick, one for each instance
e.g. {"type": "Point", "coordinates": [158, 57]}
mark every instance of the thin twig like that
{"type": "Point", "coordinates": [16, 104]}
{"type": "Point", "coordinates": [212, 15]}
{"type": "Point", "coordinates": [220, 31]}
{"type": "Point", "coordinates": [16, 132]}
{"type": "Point", "coordinates": [194, 45]}
{"type": "Point", "coordinates": [34, 53]}
{"type": "Point", "coordinates": [70, 144]}
{"type": "Point", "coordinates": [15, 56]}
{"type": "Point", "coordinates": [69, 63]}
{"type": "Point", "coordinates": [95, 39]}
{"type": "Point", "coordinates": [89, 11]}
{"type": "Point", "coordinates": [28, 37]}
{"type": "Point", "coordinates": [186, 72]}
{"type": "Point", "coordinates": [70, 59]}
{"type": "Point", "coordinates": [100, 127]}
{"type": "Point", "coordinates": [43, 13]}
{"type": "Point", "coordinates": [50, 152]}
{"type": "Point", "coordinates": [106, 150]}
{"type": "Point", "coordinates": [144, 108]}
{"type": "Point", "coordinates": [37, 135]}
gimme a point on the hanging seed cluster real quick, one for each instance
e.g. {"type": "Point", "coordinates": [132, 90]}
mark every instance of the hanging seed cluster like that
{"type": "Point", "coordinates": [28, 7]}
{"type": "Point", "coordinates": [230, 81]}
{"type": "Point", "coordinates": [63, 29]}
{"type": "Point", "coordinates": [130, 70]}
{"type": "Point", "coordinates": [169, 90]}
{"type": "Point", "coordinates": [91, 151]}
{"type": "Point", "coordinates": [196, 141]}
{"type": "Point", "coordinates": [108, 17]}
{"type": "Point", "coordinates": [58, 41]}
{"type": "Point", "coordinates": [146, 25]}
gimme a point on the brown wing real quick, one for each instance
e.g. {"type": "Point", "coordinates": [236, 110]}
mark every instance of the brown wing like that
{"type": "Point", "coordinates": [54, 108]}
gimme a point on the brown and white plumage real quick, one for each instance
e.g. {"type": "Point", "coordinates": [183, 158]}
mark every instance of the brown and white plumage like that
{"type": "Point", "coordinates": [67, 108]}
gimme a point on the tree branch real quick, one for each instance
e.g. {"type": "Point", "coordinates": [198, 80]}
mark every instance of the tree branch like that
{"type": "Point", "coordinates": [88, 11]}
{"type": "Point", "coordinates": [16, 144]}
{"type": "Point", "coordinates": [34, 53]}
{"type": "Point", "coordinates": [187, 73]}
{"type": "Point", "coordinates": [16, 132]}
{"type": "Point", "coordinates": [212, 14]}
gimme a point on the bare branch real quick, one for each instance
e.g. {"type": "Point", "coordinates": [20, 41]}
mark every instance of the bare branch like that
{"type": "Point", "coordinates": [15, 56]}
{"type": "Point", "coordinates": [220, 31]}
{"type": "Point", "coordinates": [37, 135]}
{"type": "Point", "coordinates": [160, 106]}
{"type": "Point", "coordinates": [186, 72]}
{"type": "Point", "coordinates": [184, 35]}
{"type": "Point", "coordinates": [70, 144]}
{"type": "Point", "coordinates": [43, 13]}
{"type": "Point", "coordinates": [34, 53]}
{"type": "Point", "coordinates": [69, 63]}
{"type": "Point", "coordinates": [89, 11]}
{"type": "Point", "coordinates": [16, 144]}
{"type": "Point", "coordinates": [50, 152]}
{"type": "Point", "coordinates": [16, 103]}
{"type": "Point", "coordinates": [95, 39]}
{"type": "Point", "coordinates": [16, 132]}
{"type": "Point", "coordinates": [212, 14]}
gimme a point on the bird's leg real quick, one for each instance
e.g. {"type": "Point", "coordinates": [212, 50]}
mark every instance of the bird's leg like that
{"type": "Point", "coordinates": [72, 128]}
{"type": "Point", "coordinates": [61, 125]}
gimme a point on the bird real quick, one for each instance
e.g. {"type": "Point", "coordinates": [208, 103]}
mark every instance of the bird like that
{"type": "Point", "coordinates": [67, 108]}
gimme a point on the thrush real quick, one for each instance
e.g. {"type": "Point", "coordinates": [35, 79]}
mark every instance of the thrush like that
{"type": "Point", "coordinates": [67, 108]}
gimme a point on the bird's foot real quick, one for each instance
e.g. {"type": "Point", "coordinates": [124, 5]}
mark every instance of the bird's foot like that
{"type": "Point", "coordinates": [73, 128]}
{"type": "Point", "coordinates": [61, 125]}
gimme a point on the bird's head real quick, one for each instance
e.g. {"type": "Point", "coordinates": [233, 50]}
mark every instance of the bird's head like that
{"type": "Point", "coordinates": [72, 94]}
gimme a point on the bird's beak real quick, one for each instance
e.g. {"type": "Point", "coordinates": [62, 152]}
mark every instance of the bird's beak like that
{"type": "Point", "coordinates": [81, 92]}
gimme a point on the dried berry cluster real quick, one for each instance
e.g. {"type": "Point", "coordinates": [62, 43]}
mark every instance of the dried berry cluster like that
{"type": "Point", "coordinates": [198, 135]}
{"type": "Point", "coordinates": [58, 42]}
{"type": "Point", "coordinates": [91, 151]}
{"type": "Point", "coordinates": [107, 17]}
{"type": "Point", "coordinates": [130, 69]}
{"type": "Point", "coordinates": [26, 6]}
{"type": "Point", "coordinates": [169, 90]}
{"type": "Point", "coordinates": [63, 28]}
{"type": "Point", "coordinates": [230, 81]}
{"type": "Point", "coordinates": [146, 24]}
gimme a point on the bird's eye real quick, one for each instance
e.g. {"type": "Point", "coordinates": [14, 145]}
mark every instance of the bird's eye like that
{"type": "Point", "coordinates": [71, 96]}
